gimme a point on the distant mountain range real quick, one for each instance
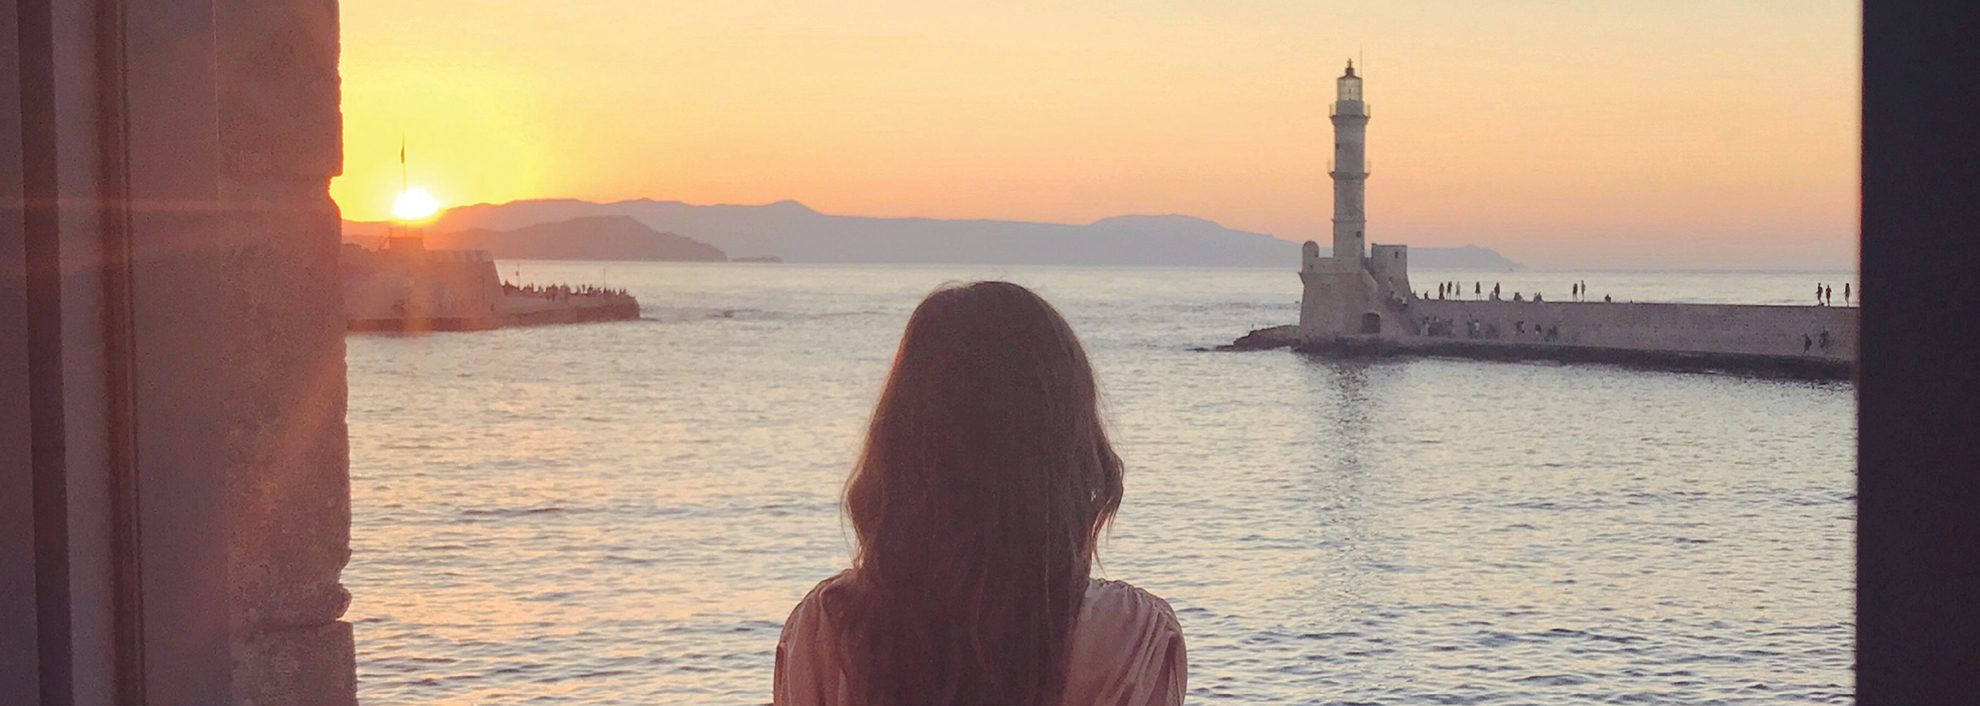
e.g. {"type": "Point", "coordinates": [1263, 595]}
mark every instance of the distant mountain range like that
{"type": "Point", "coordinates": [586, 238]}
{"type": "Point", "coordinates": [574, 229]}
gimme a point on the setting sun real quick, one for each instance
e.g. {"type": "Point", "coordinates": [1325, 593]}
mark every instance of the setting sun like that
{"type": "Point", "coordinates": [415, 204]}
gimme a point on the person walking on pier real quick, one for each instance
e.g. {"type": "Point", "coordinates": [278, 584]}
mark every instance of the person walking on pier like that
{"type": "Point", "coordinates": [1845, 294]}
{"type": "Point", "coordinates": [1477, 288]}
{"type": "Point", "coordinates": [1818, 294]}
{"type": "Point", "coordinates": [977, 506]}
{"type": "Point", "coordinates": [1828, 296]}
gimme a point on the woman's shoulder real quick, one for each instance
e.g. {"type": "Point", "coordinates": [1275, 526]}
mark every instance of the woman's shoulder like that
{"type": "Point", "coordinates": [805, 672]}
{"type": "Point", "coordinates": [1127, 648]}
{"type": "Point", "coordinates": [812, 607]}
{"type": "Point", "coordinates": [834, 583]}
{"type": "Point", "coordinates": [1118, 611]}
{"type": "Point", "coordinates": [1107, 598]}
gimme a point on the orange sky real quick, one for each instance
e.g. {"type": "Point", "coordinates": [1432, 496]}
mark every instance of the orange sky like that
{"type": "Point", "coordinates": [1717, 134]}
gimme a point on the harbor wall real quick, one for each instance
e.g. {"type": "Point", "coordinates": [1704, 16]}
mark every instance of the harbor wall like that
{"type": "Point", "coordinates": [405, 287]}
{"type": "Point", "coordinates": [523, 310]}
{"type": "Point", "coordinates": [1731, 329]}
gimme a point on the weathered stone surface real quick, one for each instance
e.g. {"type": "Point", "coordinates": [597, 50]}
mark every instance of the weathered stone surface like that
{"type": "Point", "coordinates": [313, 665]}
{"type": "Point", "coordinates": [289, 489]}
{"type": "Point", "coordinates": [1734, 329]}
{"type": "Point", "coordinates": [1811, 368]}
{"type": "Point", "coordinates": [288, 484]}
{"type": "Point", "coordinates": [279, 87]}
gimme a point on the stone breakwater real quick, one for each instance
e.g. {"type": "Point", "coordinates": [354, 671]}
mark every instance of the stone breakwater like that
{"type": "Point", "coordinates": [514, 310]}
{"type": "Point", "coordinates": [406, 288]}
{"type": "Point", "coordinates": [1769, 351]}
{"type": "Point", "coordinates": [575, 309]}
{"type": "Point", "coordinates": [1818, 333]}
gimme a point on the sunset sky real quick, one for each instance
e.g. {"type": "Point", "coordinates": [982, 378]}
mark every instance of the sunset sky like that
{"type": "Point", "coordinates": [1589, 134]}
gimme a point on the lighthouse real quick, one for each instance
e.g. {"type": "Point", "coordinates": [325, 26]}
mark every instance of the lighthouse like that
{"type": "Point", "coordinates": [1350, 170]}
{"type": "Point", "coordinates": [1357, 289]}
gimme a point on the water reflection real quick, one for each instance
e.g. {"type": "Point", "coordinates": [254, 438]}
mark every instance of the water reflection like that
{"type": "Point", "coordinates": [1345, 384]}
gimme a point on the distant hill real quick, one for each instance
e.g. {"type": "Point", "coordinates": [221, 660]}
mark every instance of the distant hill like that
{"type": "Point", "coordinates": [797, 233]}
{"type": "Point", "coordinates": [584, 238]}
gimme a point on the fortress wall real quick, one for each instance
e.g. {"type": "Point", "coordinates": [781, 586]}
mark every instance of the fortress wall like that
{"type": "Point", "coordinates": [1389, 265]}
{"type": "Point", "coordinates": [372, 296]}
{"type": "Point", "coordinates": [1687, 328]}
{"type": "Point", "coordinates": [453, 287]}
{"type": "Point", "coordinates": [458, 286]}
{"type": "Point", "coordinates": [1334, 300]}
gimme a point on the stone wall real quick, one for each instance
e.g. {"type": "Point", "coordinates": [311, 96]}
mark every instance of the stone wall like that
{"type": "Point", "coordinates": [1334, 299]}
{"type": "Point", "coordinates": [461, 287]}
{"type": "Point", "coordinates": [1682, 328]}
{"type": "Point", "coordinates": [420, 289]}
{"type": "Point", "coordinates": [1389, 266]}
{"type": "Point", "coordinates": [288, 487]}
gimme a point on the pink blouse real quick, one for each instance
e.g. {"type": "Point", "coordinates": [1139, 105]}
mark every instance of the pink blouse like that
{"type": "Point", "coordinates": [1127, 649]}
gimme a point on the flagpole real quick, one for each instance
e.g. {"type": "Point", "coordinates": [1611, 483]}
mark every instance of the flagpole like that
{"type": "Point", "coordinates": [405, 182]}
{"type": "Point", "coordinates": [395, 222]}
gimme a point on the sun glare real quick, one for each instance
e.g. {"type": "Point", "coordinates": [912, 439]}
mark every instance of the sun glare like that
{"type": "Point", "coordinates": [415, 204]}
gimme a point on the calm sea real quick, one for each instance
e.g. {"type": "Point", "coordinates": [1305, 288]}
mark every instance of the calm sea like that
{"type": "Point", "coordinates": [625, 512]}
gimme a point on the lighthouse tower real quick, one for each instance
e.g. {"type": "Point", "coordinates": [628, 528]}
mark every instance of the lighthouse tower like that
{"type": "Point", "coordinates": [1356, 290]}
{"type": "Point", "coordinates": [1350, 171]}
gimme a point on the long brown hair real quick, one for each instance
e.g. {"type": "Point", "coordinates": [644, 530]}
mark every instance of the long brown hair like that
{"type": "Point", "coordinates": [984, 485]}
